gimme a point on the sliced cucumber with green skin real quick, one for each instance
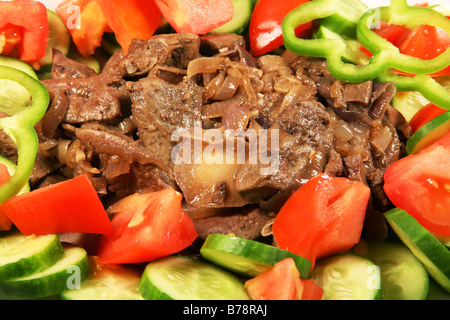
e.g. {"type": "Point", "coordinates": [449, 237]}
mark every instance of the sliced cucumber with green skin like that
{"type": "Point", "coordinates": [241, 18]}
{"type": "Point", "coordinates": [348, 277]}
{"type": "Point", "coordinates": [432, 253]}
{"type": "Point", "coordinates": [247, 257]}
{"type": "Point", "coordinates": [445, 240]}
{"type": "Point", "coordinates": [58, 38]}
{"type": "Point", "coordinates": [185, 278]}
{"type": "Point", "coordinates": [353, 51]}
{"type": "Point", "coordinates": [22, 255]}
{"type": "Point", "coordinates": [409, 103]}
{"type": "Point", "coordinates": [345, 19]}
{"type": "Point", "coordinates": [398, 266]}
{"type": "Point", "coordinates": [436, 292]}
{"type": "Point", "coordinates": [429, 133]}
{"type": "Point", "coordinates": [70, 270]}
{"type": "Point", "coordinates": [91, 61]}
{"type": "Point", "coordinates": [11, 166]}
{"type": "Point", "coordinates": [107, 283]}
{"type": "Point", "coordinates": [14, 97]}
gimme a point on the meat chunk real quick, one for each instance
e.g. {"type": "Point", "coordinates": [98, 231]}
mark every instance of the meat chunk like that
{"type": "Point", "coordinates": [99, 98]}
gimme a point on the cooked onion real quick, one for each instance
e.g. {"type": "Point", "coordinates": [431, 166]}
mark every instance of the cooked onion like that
{"type": "Point", "coordinates": [213, 86]}
{"type": "Point", "coordinates": [237, 117]}
{"type": "Point", "coordinates": [228, 89]}
{"type": "Point", "coordinates": [204, 65]}
{"type": "Point", "coordinates": [342, 131]}
{"type": "Point", "coordinates": [381, 139]}
{"type": "Point", "coordinates": [115, 167]}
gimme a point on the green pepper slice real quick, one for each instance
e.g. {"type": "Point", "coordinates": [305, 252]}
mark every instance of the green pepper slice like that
{"type": "Point", "coordinates": [20, 128]}
{"type": "Point", "coordinates": [385, 55]}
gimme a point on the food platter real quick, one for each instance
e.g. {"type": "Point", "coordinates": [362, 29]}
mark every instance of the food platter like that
{"type": "Point", "coordinates": [144, 131]}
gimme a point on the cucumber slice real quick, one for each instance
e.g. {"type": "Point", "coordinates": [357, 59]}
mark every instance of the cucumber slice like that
{"type": "Point", "coordinates": [110, 44]}
{"type": "Point", "coordinates": [184, 278]}
{"type": "Point", "coordinates": [345, 19]}
{"type": "Point", "coordinates": [107, 283]}
{"type": "Point", "coordinates": [429, 133]}
{"type": "Point", "coordinates": [348, 277]}
{"type": "Point", "coordinates": [17, 64]}
{"type": "Point", "coordinates": [445, 240]}
{"type": "Point", "coordinates": [11, 166]}
{"type": "Point", "coordinates": [247, 257]}
{"type": "Point", "coordinates": [22, 255]}
{"type": "Point", "coordinates": [436, 292]}
{"type": "Point", "coordinates": [58, 38]}
{"type": "Point", "coordinates": [409, 103]}
{"type": "Point", "coordinates": [398, 266]}
{"type": "Point", "coordinates": [353, 51]}
{"type": "Point", "coordinates": [241, 18]}
{"type": "Point", "coordinates": [433, 254]}
{"type": "Point", "coordinates": [71, 269]}
{"type": "Point", "coordinates": [14, 97]}
{"type": "Point", "coordinates": [91, 61]}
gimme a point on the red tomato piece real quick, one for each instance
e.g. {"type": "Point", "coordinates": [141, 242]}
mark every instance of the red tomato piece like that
{"type": "Point", "coordinates": [420, 185]}
{"type": "Point", "coordinates": [282, 282]}
{"type": "Point", "coordinates": [132, 19]}
{"type": "Point", "coordinates": [147, 227]}
{"type": "Point", "coordinates": [425, 115]}
{"type": "Point", "coordinates": [4, 173]}
{"type": "Point", "coordinates": [395, 34]}
{"type": "Point", "coordinates": [265, 29]}
{"type": "Point", "coordinates": [325, 216]}
{"type": "Point", "coordinates": [196, 16]}
{"type": "Point", "coordinates": [24, 27]}
{"type": "Point", "coordinates": [86, 23]}
{"type": "Point", "coordinates": [5, 223]}
{"type": "Point", "coordinates": [69, 206]}
{"type": "Point", "coordinates": [426, 43]}
{"type": "Point", "coordinates": [9, 38]}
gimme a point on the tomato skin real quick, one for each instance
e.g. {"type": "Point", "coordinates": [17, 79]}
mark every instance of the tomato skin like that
{"type": "Point", "coordinates": [282, 282]}
{"type": "Point", "coordinates": [88, 27]}
{"type": "Point", "coordinates": [69, 206]}
{"type": "Point", "coordinates": [426, 42]}
{"type": "Point", "coordinates": [425, 115]}
{"type": "Point", "coordinates": [31, 18]}
{"type": "Point", "coordinates": [419, 184]}
{"type": "Point", "coordinates": [196, 16]}
{"type": "Point", "coordinates": [132, 19]}
{"type": "Point", "coordinates": [5, 223]}
{"type": "Point", "coordinates": [147, 227]}
{"type": "Point", "coordinates": [265, 29]}
{"type": "Point", "coordinates": [325, 216]}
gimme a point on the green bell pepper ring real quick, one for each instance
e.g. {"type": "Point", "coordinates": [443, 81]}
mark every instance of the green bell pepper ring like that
{"type": "Point", "coordinates": [385, 55]}
{"type": "Point", "coordinates": [20, 128]}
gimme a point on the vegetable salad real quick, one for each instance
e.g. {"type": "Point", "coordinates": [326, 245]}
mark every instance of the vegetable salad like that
{"type": "Point", "coordinates": [145, 241]}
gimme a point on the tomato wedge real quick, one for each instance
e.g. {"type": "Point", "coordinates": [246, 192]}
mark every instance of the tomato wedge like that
{"type": "Point", "coordinates": [23, 29]}
{"type": "Point", "coordinates": [69, 206]}
{"type": "Point", "coordinates": [420, 185]}
{"type": "Point", "coordinates": [147, 227]}
{"type": "Point", "coordinates": [196, 16]}
{"type": "Point", "coordinates": [282, 282]}
{"type": "Point", "coordinates": [395, 34]}
{"type": "Point", "coordinates": [325, 216]}
{"type": "Point", "coordinates": [132, 19]}
{"type": "Point", "coordinates": [86, 23]}
{"type": "Point", "coordinates": [426, 42]}
{"type": "Point", "coordinates": [265, 29]}
{"type": "Point", "coordinates": [5, 223]}
{"type": "Point", "coordinates": [425, 115]}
